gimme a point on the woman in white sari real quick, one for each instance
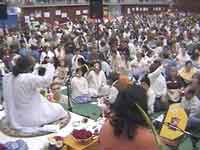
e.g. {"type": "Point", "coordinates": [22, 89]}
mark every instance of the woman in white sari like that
{"type": "Point", "coordinates": [97, 81]}
{"type": "Point", "coordinates": [26, 109]}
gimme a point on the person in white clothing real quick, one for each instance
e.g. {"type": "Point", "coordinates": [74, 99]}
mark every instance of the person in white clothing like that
{"type": "Point", "coordinates": [145, 83]}
{"type": "Point", "coordinates": [75, 60]}
{"type": "Point", "coordinates": [46, 53]}
{"type": "Point", "coordinates": [158, 85]}
{"type": "Point", "coordinates": [97, 79]}
{"type": "Point", "coordinates": [26, 109]}
{"type": "Point", "coordinates": [80, 90]}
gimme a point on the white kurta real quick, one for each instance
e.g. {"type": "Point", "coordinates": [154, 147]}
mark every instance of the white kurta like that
{"type": "Point", "coordinates": [97, 82]}
{"type": "Point", "coordinates": [158, 82]}
{"type": "Point", "coordinates": [25, 108]}
{"type": "Point", "coordinates": [79, 87]}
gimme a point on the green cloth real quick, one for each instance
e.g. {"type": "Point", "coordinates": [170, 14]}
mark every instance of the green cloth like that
{"type": "Point", "coordinates": [91, 111]}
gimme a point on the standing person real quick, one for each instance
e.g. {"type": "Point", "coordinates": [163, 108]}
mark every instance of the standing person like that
{"type": "Point", "coordinates": [25, 108]}
{"type": "Point", "coordinates": [126, 128]}
{"type": "Point", "coordinates": [158, 85]}
{"type": "Point", "coordinates": [145, 83]}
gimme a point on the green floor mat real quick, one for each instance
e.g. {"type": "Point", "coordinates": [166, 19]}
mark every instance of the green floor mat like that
{"type": "Point", "coordinates": [88, 110]}
{"type": "Point", "coordinates": [91, 111]}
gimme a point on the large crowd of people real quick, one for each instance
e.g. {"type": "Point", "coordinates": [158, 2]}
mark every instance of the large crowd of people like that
{"type": "Point", "coordinates": [150, 60]}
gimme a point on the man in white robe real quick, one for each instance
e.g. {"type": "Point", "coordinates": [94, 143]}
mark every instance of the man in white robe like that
{"type": "Point", "coordinates": [26, 109]}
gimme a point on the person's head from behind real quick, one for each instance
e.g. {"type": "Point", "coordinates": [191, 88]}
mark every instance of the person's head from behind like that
{"type": "Point", "coordinates": [189, 93]}
{"type": "Point", "coordinates": [23, 64]}
{"type": "Point", "coordinates": [81, 61]}
{"type": "Point", "coordinates": [127, 118]}
{"type": "Point", "coordinates": [123, 82]}
{"type": "Point", "coordinates": [102, 57]}
{"type": "Point", "coordinates": [154, 66]}
{"type": "Point", "coordinates": [102, 43]}
{"type": "Point", "coordinates": [145, 82]}
{"type": "Point", "coordinates": [188, 66]}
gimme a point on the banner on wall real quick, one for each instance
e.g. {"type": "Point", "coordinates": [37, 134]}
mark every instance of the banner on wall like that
{"type": "Point", "coordinates": [11, 21]}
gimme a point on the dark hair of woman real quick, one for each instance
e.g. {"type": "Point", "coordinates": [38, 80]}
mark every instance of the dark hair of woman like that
{"type": "Point", "coordinates": [24, 64]}
{"type": "Point", "coordinates": [56, 62]}
{"type": "Point", "coordinates": [81, 61]}
{"type": "Point", "coordinates": [102, 57]}
{"type": "Point", "coordinates": [126, 116]}
{"type": "Point", "coordinates": [188, 63]}
{"type": "Point", "coordinates": [98, 62]}
{"type": "Point", "coordinates": [154, 66]}
{"type": "Point", "coordinates": [146, 80]}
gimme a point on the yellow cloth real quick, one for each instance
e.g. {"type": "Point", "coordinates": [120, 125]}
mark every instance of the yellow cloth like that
{"type": "Point", "coordinates": [187, 75]}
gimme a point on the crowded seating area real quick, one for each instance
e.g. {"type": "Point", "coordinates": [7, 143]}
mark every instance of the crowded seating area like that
{"type": "Point", "coordinates": [116, 78]}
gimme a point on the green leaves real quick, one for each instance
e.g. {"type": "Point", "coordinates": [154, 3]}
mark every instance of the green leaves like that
{"type": "Point", "coordinates": [147, 119]}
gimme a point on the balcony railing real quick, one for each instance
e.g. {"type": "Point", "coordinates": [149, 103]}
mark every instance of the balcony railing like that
{"type": "Point", "coordinates": [82, 2]}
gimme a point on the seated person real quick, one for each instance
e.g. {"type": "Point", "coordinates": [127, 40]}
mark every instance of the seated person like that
{"type": "Point", "coordinates": [83, 65]}
{"type": "Point", "coordinates": [126, 128]}
{"type": "Point", "coordinates": [191, 104]}
{"type": "Point", "coordinates": [80, 90]}
{"type": "Point", "coordinates": [56, 96]}
{"type": "Point", "coordinates": [62, 71]}
{"type": "Point", "coordinates": [26, 109]}
{"type": "Point", "coordinates": [97, 80]}
{"type": "Point", "coordinates": [196, 83]}
{"type": "Point", "coordinates": [174, 85]}
{"type": "Point", "coordinates": [187, 71]}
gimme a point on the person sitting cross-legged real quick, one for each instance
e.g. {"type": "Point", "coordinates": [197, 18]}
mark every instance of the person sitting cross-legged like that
{"type": "Point", "coordinates": [80, 90]}
{"type": "Point", "coordinates": [26, 109]}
